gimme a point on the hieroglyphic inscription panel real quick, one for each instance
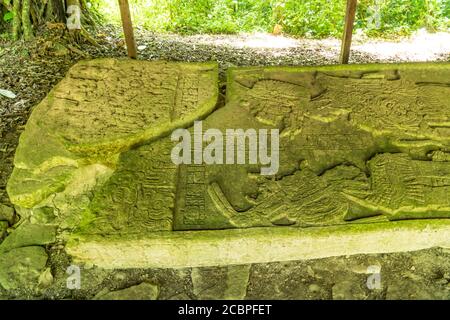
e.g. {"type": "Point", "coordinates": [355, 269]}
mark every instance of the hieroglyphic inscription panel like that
{"type": "Point", "coordinates": [113, 100]}
{"type": "Point", "coordinates": [355, 142]}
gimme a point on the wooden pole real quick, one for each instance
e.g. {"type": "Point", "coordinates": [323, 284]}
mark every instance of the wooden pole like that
{"type": "Point", "coordinates": [128, 28]}
{"type": "Point", "coordinates": [348, 30]}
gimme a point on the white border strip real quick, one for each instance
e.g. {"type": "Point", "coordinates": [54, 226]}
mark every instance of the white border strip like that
{"type": "Point", "coordinates": [181, 249]}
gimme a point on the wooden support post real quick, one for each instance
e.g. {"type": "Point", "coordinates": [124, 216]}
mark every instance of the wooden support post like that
{"type": "Point", "coordinates": [128, 28]}
{"type": "Point", "coordinates": [348, 30]}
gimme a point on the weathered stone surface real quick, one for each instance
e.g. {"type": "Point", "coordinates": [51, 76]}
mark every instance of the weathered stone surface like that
{"type": "Point", "coordinates": [255, 245]}
{"type": "Point", "coordinates": [6, 213]}
{"type": "Point", "coordinates": [101, 108]}
{"type": "Point", "coordinates": [45, 279]}
{"type": "Point", "coordinates": [143, 291]}
{"type": "Point", "coordinates": [139, 196]}
{"type": "Point", "coordinates": [349, 290]}
{"type": "Point", "coordinates": [22, 267]}
{"type": "Point", "coordinates": [335, 167]}
{"type": "Point", "coordinates": [355, 141]}
{"type": "Point", "coordinates": [358, 144]}
{"type": "Point", "coordinates": [3, 228]}
{"type": "Point", "coordinates": [29, 235]}
{"type": "Point", "coordinates": [413, 290]}
{"type": "Point", "coordinates": [229, 283]}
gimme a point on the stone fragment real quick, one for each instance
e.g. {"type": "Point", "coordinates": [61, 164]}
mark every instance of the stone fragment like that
{"type": "Point", "coordinates": [237, 282]}
{"type": "Point", "coordinates": [29, 235]}
{"type": "Point", "coordinates": [143, 291]}
{"type": "Point", "coordinates": [209, 283]}
{"type": "Point", "coordinates": [102, 108]}
{"type": "Point", "coordinates": [6, 213]}
{"type": "Point", "coordinates": [3, 229]}
{"type": "Point", "coordinates": [45, 279]}
{"type": "Point", "coordinates": [348, 290]}
{"type": "Point", "coordinates": [22, 267]}
{"type": "Point", "coordinates": [314, 287]}
{"type": "Point", "coordinates": [415, 290]}
{"type": "Point", "coordinates": [229, 283]}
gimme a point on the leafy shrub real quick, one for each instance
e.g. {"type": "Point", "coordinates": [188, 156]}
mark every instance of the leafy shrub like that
{"type": "Point", "coordinates": [385, 17]}
{"type": "Point", "coordinates": [314, 18]}
{"type": "Point", "coordinates": [310, 18]}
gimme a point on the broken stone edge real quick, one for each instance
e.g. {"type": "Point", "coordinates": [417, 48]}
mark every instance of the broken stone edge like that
{"type": "Point", "coordinates": [106, 152]}
{"type": "Point", "coordinates": [264, 72]}
{"type": "Point", "coordinates": [183, 249]}
{"type": "Point", "coordinates": [152, 133]}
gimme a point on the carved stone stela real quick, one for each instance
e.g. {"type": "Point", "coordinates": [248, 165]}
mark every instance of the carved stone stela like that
{"type": "Point", "coordinates": [357, 144]}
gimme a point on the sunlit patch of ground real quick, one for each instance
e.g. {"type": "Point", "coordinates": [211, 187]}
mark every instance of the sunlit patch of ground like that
{"type": "Point", "coordinates": [421, 46]}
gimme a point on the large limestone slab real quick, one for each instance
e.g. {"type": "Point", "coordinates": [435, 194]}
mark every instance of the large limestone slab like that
{"type": "Point", "coordinates": [100, 109]}
{"type": "Point", "coordinates": [355, 142]}
{"type": "Point", "coordinates": [363, 149]}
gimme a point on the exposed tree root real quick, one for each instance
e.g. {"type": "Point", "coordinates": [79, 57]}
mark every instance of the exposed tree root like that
{"type": "Point", "coordinates": [28, 15]}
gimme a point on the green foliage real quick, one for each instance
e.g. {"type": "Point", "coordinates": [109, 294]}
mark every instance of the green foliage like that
{"type": "Point", "coordinates": [385, 17]}
{"type": "Point", "coordinates": [200, 16]}
{"type": "Point", "coordinates": [314, 18]}
{"type": "Point", "coordinates": [8, 16]}
{"type": "Point", "coordinates": [310, 18]}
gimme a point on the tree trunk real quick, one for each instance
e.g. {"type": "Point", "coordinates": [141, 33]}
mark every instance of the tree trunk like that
{"type": "Point", "coordinates": [29, 14]}
{"type": "Point", "coordinates": [26, 22]}
{"type": "Point", "coordinates": [16, 20]}
{"type": "Point", "coordinates": [54, 11]}
{"type": "Point", "coordinates": [7, 4]}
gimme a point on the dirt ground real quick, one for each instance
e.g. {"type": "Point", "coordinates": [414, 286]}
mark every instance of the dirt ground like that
{"type": "Point", "coordinates": [31, 69]}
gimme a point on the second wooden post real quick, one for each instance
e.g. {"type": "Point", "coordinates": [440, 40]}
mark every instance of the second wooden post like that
{"type": "Point", "coordinates": [128, 28]}
{"type": "Point", "coordinates": [348, 30]}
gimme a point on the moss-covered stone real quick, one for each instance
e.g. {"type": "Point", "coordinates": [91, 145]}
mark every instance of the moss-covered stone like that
{"type": "Point", "coordinates": [29, 234]}
{"type": "Point", "coordinates": [358, 144]}
{"type": "Point", "coordinates": [255, 245]}
{"type": "Point", "coordinates": [6, 213]}
{"type": "Point", "coordinates": [355, 142]}
{"type": "Point", "coordinates": [139, 196]}
{"type": "Point", "coordinates": [219, 283]}
{"type": "Point", "coordinates": [104, 107]}
{"type": "Point", "coordinates": [3, 230]}
{"type": "Point", "coordinates": [22, 267]}
{"type": "Point", "coordinates": [142, 291]}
